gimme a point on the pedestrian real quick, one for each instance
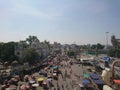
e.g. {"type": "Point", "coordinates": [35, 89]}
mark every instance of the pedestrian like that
{"type": "Point", "coordinates": [62, 86]}
{"type": "Point", "coordinates": [58, 88]}
{"type": "Point", "coordinates": [71, 71]}
{"type": "Point", "coordinates": [66, 85]}
{"type": "Point", "coordinates": [65, 73]}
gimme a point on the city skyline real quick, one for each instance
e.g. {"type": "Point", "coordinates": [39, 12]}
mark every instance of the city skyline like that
{"type": "Point", "coordinates": [63, 21]}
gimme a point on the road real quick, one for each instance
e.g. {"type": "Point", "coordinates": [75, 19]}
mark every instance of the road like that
{"type": "Point", "coordinates": [71, 81]}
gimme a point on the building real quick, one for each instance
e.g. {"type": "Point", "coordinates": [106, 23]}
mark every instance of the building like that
{"type": "Point", "coordinates": [42, 48]}
{"type": "Point", "coordinates": [115, 42]}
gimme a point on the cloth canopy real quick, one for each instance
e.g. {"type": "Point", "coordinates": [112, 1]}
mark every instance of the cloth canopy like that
{"type": "Point", "coordinates": [94, 76]}
{"type": "Point", "coordinates": [86, 75]}
{"type": "Point", "coordinates": [31, 81]}
{"type": "Point", "coordinates": [35, 85]}
{"type": "Point", "coordinates": [55, 67]}
{"type": "Point", "coordinates": [106, 58]}
{"type": "Point", "coordinates": [100, 82]}
{"type": "Point", "coordinates": [40, 79]}
{"type": "Point", "coordinates": [86, 81]}
{"type": "Point", "coordinates": [116, 81]}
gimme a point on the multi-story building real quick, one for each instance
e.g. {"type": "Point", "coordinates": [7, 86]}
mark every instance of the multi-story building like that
{"type": "Point", "coordinates": [41, 47]}
{"type": "Point", "coordinates": [115, 42]}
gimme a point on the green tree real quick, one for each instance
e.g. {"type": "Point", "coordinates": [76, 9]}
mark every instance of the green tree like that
{"type": "Point", "coordinates": [114, 53]}
{"type": "Point", "coordinates": [47, 43]}
{"type": "Point", "coordinates": [97, 46]}
{"type": "Point", "coordinates": [30, 39]}
{"type": "Point", "coordinates": [7, 52]}
{"type": "Point", "coordinates": [30, 55]}
{"type": "Point", "coordinates": [100, 46]}
{"type": "Point", "coordinates": [71, 53]}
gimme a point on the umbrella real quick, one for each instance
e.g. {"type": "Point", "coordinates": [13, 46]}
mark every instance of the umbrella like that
{"type": "Point", "coordinates": [86, 75]}
{"type": "Point", "coordinates": [12, 87]}
{"type": "Point", "coordinates": [27, 86]}
{"type": "Point", "coordinates": [23, 87]}
{"type": "Point", "coordinates": [35, 85]}
{"type": "Point", "coordinates": [13, 79]}
{"type": "Point", "coordinates": [40, 79]}
{"type": "Point", "coordinates": [45, 68]}
{"type": "Point", "coordinates": [54, 74]}
{"type": "Point", "coordinates": [17, 76]}
{"type": "Point", "coordinates": [3, 86]}
{"type": "Point", "coordinates": [116, 81]}
{"type": "Point", "coordinates": [31, 81]}
{"type": "Point", "coordinates": [81, 85]}
{"type": "Point", "coordinates": [26, 76]}
{"type": "Point", "coordinates": [100, 82]}
{"type": "Point", "coordinates": [55, 67]}
{"type": "Point", "coordinates": [85, 81]}
{"type": "Point", "coordinates": [14, 62]}
{"type": "Point", "coordinates": [94, 76]}
{"type": "Point", "coordinates": [44, 83]}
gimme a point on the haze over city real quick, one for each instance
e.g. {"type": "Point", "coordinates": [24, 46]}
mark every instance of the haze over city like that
{"type": "Point", "coordinates": [64, 21]}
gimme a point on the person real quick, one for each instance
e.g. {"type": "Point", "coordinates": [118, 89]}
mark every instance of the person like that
{"type": "Point", "coordinates": [70, 71]}
{"type": "Point", "coordinates": [62, 86]}
{"type": "Point", "coordinates": [66, 85]}
{"type": "Point", "coordinates": [65, 73]}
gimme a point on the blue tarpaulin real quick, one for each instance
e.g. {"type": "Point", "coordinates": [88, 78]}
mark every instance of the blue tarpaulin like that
{"type": "Point", "coordinates": [106, 58]}
{"type": "Point", "coordinates": [85, 81]}
{"type": "Point", "coordinates": [55, 67]}
{"type": "Point", "coordinates": [100, 82]}
{"type": "Point", "coordinates": [94, 76]}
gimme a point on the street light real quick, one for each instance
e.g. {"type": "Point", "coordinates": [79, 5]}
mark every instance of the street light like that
{"type": "Point", "coordinates": [107, 40]}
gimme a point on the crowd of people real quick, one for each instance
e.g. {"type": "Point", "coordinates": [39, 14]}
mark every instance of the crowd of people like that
{"type": "Point", "coordinates": [59, 73]}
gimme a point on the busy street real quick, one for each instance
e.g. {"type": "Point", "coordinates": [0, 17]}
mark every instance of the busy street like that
{"type": "Point", "coordinates": [61, 73]}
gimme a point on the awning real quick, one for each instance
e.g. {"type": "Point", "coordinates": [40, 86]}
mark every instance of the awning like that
{"type": "Point", "coordinates": [116, 81]}
{"type": "Point", "coordinates": [94, 76]}
{"type": "Point", "coordinates": [86, 81]}
{"type": "Point", "coordinates": [100, 82]}
{"type": "Point", "coordinates": [55, 67]}
{"type": "Point", "coordinates": [86, 75]}
{"type": "Point", "coordinates": [40, 79]}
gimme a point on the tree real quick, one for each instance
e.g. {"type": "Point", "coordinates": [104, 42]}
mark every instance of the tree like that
{"type": "Point", "coordinates": [97, 46]}
{"type": "Point", "coordinates": [71, 53]}
{"type": "Point", "coordinates": [114, 53]}
{"type": "Point", "coordinates": [7, 52]}
{"type": "Point", "coordinates": [100, 46]}
{"type": "Point", "coordinates": [30, 55]}
{"type": "Point", "coordinates": [30, 39]}
{"type": "Point", "coordinates": [47, 43]}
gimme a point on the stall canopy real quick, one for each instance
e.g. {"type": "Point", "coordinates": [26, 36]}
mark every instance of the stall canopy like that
{"type": "Point", "coordinates": [106, 58]}
{"type": "Point", "coordinates": [94, 76]}
{"type": "Point", "coordinates": [116, 81]}
{"type": "Point", "coordinates": [55, 67]}
{"type": "Point", "coordinates": [100, 82]}
{"type": "Point", "coordinates": [86, 81]}
{"type": "Point", "coordinates": [40, 79]}
{"type": "Point", "coordinates": [86, 75]}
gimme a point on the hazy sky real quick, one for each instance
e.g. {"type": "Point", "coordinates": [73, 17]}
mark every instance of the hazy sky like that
{"type": "Point", "coordinates": [64, 21]}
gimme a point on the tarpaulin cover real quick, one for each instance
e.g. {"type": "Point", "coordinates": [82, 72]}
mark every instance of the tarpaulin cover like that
{"type": "Point", "coordinates": [86, 75]}
{"type": "Point", "coordinates": [85, 81]}
{"type": "Point", "coordinates": [106, 58]}
{"type": "Point", "coordinates": [55, 67]}
{"type": "Point", "coordinates": [100, 82]}
{"type": "Point", "coordinates": [94, 76]}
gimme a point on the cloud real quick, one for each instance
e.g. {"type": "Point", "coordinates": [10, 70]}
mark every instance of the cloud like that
{"type": "Point", "coordinates": [16, 8]}
{"type": "Point", "coordinates": [23, 8]}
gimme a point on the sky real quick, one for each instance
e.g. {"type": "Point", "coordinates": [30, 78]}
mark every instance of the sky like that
{"type": "Point", "coordinates": [63, 21]}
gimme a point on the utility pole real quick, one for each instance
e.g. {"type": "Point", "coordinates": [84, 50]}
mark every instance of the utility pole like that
{"type": "Point", "coordinates": [107, 40]}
